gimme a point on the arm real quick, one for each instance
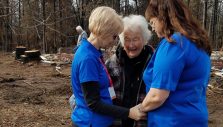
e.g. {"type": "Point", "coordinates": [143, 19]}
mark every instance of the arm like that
{"type": "Point", "coordinates": [168, 65]}
{"type": "Point", "coordinates": [92, 98]}
{"type": "Point", "coordinates": [89, 76]}
{"type": "Point", "coordinates": [154, 99]}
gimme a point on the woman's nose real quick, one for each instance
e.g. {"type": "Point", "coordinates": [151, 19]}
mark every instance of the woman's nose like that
{"type": "Point", "coordinates": [131, 44]}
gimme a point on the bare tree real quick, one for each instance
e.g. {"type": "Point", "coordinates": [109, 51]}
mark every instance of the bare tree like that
{"type": "Point", "coordinates": [44, 27]}
{"type": "Point", "coordinates": [188, 3]}
{"type": "Point", "coordinates": [49, 24]}
{"type": "Point", "coordinates": [205, 14]}
{"type": "Point", "coordinates": [214, 23]}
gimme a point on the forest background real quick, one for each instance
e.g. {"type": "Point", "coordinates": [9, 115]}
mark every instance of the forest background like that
{"type": "Point", "coordinates": [47, 25]}
{"type": "Point", "coordinates": [36, 94]}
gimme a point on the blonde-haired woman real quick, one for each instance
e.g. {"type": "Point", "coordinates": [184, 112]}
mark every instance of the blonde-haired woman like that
{"type": "Point", "coordinates": [91, 83]}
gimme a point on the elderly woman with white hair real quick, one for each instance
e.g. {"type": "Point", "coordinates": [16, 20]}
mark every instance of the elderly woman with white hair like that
{"type": "Point", "coordinates": [82, 35]}
{"type": "Point", "coordinates": [126, 66]}
{"type": "Point", "coordinates": [91, 83]}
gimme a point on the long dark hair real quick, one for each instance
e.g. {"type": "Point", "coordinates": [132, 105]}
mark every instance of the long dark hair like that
{"type": "Point", "coordinates": [176, 17]}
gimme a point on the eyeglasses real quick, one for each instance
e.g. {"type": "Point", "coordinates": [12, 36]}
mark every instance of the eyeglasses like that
{"type": "Point", "coordinates": [152, 22]}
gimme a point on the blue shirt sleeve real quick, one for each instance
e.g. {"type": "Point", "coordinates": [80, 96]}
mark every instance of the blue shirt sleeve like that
{"type": "Point", "coordinates": [89, 70]}
{"type": "Point", "coordinates": [168, 66]}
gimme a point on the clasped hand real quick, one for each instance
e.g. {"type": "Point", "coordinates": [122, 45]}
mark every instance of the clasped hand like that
{"type": "Point", "coordinates": [136, 114]}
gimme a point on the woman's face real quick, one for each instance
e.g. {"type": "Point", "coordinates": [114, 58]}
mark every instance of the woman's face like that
{"type": "Point", "coordinates": [156, 26]}
{"type": "Point", "coordinates": [133, 42]}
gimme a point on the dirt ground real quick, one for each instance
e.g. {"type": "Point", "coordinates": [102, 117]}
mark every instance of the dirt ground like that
{"type": "Point", "coordinates": [35, 95]}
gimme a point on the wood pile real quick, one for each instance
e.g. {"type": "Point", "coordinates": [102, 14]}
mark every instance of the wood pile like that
{"type": "Point", "coordinates": [27, 55]}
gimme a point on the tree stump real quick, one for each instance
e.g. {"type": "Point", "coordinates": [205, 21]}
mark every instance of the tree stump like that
{"type": "Point", "coordinates": [24, 58]}
{"type": "Point", "coordinates": [20, 50]}
{"type": "Point", "coordinates": [33, 54]}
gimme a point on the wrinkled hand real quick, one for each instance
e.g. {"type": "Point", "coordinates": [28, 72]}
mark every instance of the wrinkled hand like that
{"type": "Point", "coordinates": [136, 114]}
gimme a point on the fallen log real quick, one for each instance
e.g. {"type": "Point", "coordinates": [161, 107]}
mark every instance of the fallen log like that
{"type": "Point", "coordinates": [33, 54]}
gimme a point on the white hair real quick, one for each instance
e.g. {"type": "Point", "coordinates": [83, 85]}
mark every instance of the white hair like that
{"type": "Point", "coordinates": [133, 22]}
{"type": "Point", "coordinates": [79, 28]}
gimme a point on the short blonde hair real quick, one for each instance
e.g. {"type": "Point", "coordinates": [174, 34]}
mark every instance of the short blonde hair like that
{"type": "Point", "coordinates": [131, 23]}
{"type": "Point", "coordinates": [104, 20]}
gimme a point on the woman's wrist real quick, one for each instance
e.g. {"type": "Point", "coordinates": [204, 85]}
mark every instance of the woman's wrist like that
{"type": "Point", "coordinates": [140, 107]}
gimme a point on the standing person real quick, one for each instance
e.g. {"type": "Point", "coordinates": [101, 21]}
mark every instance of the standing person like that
{"type": "Point", "coordinates": [82, 35]}
{"type": "Point", "coordinates": [177, 76]}
{"type": "Point", "coordinates": [126, 66]}
{"type": "Point", "coordinates": [91, 83]}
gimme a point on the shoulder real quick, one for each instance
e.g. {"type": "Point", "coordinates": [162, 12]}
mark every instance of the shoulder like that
{"type": "Point", "coordinates": [85, 55]}
{"type": "Point", "coordinates": [180, 39]}
{"type": "Point", "coordinates": [168, 51]}
{"type": "Point", "coordinates": [179, 42]}
{"type": "Point", "coordinates": [87, 60]}
{"type": "Point", "coordinates": [150, 49]}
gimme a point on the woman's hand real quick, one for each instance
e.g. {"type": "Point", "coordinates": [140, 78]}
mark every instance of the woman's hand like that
{"type": "Point", "coordinates": [136, 114]}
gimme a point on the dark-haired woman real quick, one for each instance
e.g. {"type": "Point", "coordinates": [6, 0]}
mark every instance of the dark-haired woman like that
{"type": "Point", "coordinates": [177, 75]}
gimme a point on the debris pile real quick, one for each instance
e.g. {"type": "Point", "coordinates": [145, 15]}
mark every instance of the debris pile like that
{"type": "Point", "coordinates": [62, 58]}
{"type": "Point", "coordinates": [216, 80]}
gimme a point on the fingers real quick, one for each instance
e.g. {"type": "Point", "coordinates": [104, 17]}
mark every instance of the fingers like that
{"type": "Point", "coordinates": [142, 114]}
{"type": "Point", "coordinates": [136, 114]}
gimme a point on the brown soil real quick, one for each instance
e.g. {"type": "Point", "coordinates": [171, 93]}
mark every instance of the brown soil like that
{"type": "Point", "coordinates": [35, 95]}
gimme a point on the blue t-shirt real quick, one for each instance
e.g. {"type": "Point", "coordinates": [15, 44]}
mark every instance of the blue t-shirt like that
{"type": "Point", "coordinates": [87, 67]}
{"type": "Point", "coordinates": [183, 69]}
